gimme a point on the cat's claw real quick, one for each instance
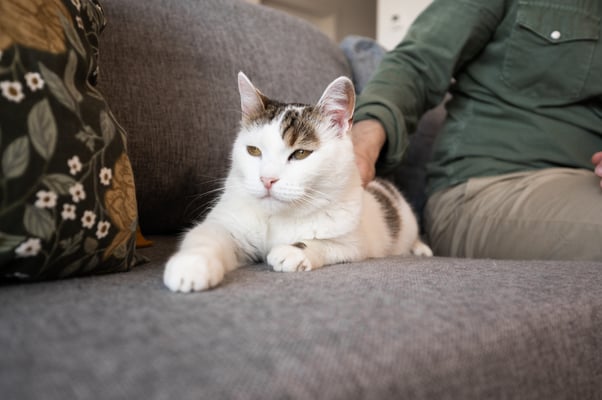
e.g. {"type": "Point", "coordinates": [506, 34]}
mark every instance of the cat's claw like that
{"type": "Point", "coordinates": [287, 258]}
{"type": "Point", "coordinates": [192, 273]}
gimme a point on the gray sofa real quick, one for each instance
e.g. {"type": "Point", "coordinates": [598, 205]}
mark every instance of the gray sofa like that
{"type": "Point", "coordinates": [408, 328]}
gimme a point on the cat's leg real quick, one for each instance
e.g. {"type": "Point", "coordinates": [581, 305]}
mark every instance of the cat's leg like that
{"type": "Point", "coordinates": [207, 252]}
{"type": "Point", "coordinates": [419, 248]}
{"type": "Point", "coordinates": [311, 254]}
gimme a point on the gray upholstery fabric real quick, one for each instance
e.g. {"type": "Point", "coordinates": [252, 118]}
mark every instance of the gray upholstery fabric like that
{"type": "Point", "coordinates": [390, 328]}
{"type": "Point", "coordinates": [168, 69]}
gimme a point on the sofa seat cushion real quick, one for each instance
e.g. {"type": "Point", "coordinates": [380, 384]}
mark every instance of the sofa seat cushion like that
{"type": "Point", "coordinates": [406, 328]}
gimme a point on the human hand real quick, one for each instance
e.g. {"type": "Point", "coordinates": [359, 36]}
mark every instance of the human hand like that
{"type": "Point", "coordinates": [368, 138]}
{"type": "Point", "coordinates": [597, 161]}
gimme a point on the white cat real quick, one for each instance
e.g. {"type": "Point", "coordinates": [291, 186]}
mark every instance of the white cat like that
{"type": "Point", "coordinates": [293, 197]}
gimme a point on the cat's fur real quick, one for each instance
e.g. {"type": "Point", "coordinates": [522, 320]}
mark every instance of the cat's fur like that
{"type": "Point", "coordinates": [293, 197]}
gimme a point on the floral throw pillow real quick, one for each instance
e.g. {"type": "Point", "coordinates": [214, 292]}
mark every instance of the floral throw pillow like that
{"type": "Point", "coordinates": [67, 196]}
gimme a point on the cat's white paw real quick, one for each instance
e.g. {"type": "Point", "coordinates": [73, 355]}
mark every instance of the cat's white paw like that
{"type": "Point", "coordinates": [287, 258]}
{"type": "Point", "coordinates": [421, 249]}
{"type": "Point", "coordinates": [190, 272]}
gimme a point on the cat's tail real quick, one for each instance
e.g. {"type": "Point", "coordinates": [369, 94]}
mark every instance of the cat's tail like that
{"type": "Point", "coordinates": [419, 248]}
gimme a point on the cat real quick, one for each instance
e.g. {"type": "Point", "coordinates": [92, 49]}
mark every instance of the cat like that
{"type": "Point", "coordinates": [293, 197]}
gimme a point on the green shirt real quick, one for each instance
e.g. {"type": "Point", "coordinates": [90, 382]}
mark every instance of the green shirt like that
{"type": "Point", "coordinates": [528, 91]}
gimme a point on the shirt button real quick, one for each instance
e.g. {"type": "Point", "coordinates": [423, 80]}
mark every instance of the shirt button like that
{"type": "Point", "coordinates": [555, 35]}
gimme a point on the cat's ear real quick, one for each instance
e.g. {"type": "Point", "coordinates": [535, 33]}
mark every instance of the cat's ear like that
{"type": "Point", "coordinates": [337, 104]}
{"type": "Point", "coordinates": [252, 101]}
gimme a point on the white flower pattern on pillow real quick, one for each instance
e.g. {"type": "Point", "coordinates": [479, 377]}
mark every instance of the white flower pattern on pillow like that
{"type": "Point", "coordinates": [68, 212]}
{"type": "Point", "coordinates": [12, 90]}
{"type": "Point", "coordinates": [46, 199]}
{"type": "Point", "coordinates": [74, 164]}
{"type": "Point", "coordinates": [88, 219]}
{"type": "Point", "coordinates": [29, 248]}
{"type": "Point", "coordinates": [34, 81]}
{"type": "Point", "coordinates": [105, 176]}
{"type": "Point", "coordinates": [102, 229]}
{"type": "Point", "coordinates": [77, 192]}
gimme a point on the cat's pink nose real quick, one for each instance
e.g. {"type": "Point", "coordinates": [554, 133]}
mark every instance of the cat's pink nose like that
{"type": "Point", "coordinates": [268, 182]}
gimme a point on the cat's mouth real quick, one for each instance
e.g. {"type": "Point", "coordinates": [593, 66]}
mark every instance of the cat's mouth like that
{"type": "Point", "coordinates": [270, 197]}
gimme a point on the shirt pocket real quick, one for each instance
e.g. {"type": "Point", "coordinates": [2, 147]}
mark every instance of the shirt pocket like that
{"type": "Point", "coordinates": [550, 50]}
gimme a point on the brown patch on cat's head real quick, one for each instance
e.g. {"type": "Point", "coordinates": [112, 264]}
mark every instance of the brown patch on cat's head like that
{"type": "Point", "coordinates": [262, 115]}
{"type": "Point", "coordinates": [298, 126]}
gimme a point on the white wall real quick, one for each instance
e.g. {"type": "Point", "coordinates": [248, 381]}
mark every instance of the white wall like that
{"type": "Point", "coordinates": [326, 21]}
{"type": "Point", "coordinates": [336, 18]}
{"type": "Point", "coordinates": [385, 20]}
{"type": "Point", "coordinates": [356, 17]}
{"type": "Point", "coordinates": [394, 17]}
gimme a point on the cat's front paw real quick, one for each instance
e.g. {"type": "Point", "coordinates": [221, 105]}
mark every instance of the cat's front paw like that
{"type": "Point", "coordinates": [287, 258]}
{"type": "Point", "coordinates": [189, 272]}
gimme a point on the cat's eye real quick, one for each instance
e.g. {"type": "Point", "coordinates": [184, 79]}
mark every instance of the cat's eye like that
{"type": "Point", "coordinates": [300, 154]}
{"type": "Point", "coordinates": [254, 151]}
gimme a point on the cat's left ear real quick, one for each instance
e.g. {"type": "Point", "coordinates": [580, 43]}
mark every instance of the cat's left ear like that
{"type": "Point", "coordinates": [337, 104]}
{"type": "Point", "coordinates": [252, 101]}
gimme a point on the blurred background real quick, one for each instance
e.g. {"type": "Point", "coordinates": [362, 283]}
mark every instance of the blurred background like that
{"type": "Point", "coordinates": [384, 20]}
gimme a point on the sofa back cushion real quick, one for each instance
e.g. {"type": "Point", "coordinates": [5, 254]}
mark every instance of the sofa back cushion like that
{"type": "Point", "coordinates": [170, 72]}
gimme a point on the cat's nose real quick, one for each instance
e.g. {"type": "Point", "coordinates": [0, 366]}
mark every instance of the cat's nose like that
{"type": "Point", "coordinates": [268, 182]}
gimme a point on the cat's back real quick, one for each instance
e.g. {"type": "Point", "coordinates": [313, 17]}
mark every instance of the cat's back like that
{"type": "Point", "coordinates": [394, 212]}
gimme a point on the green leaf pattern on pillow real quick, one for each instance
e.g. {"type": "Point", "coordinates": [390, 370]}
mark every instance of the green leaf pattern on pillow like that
{"type": "Point", "coordinates": [67, 198]}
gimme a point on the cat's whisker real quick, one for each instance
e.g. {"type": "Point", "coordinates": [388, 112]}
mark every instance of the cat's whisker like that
{"type": "Point", "coordinates": [317, 196]}
{"type": "Point", "coordinates": [198, 204]}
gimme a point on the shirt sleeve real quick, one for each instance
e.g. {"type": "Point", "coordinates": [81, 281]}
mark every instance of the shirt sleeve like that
{"type": "Point", "coordinates": [415, 76]}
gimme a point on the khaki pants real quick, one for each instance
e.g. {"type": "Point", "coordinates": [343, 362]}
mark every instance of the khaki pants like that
{"type": "Point", "coordinates": [547, 214]}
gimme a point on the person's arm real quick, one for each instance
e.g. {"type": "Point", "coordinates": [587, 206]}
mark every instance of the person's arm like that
{"type": "Point", "coordinates": [597, 161]}
{"type": "Point", "coordinates": [415, 76]}
{"type": "Point", "coordinates": [368, 138]}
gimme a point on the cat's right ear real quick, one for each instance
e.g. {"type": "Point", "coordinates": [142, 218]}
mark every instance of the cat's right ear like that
{"type": "Point", "coordinates": [252, 101]}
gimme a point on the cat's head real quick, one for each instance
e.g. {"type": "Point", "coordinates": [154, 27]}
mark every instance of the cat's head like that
{"type": "Point", "coordinates": [293, 157]}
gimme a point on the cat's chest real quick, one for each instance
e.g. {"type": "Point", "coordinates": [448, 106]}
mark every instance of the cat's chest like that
{"type": "Point", "coordinates": [289, 230]}
{"type": "Point", "coordinates": [260, 235]}
{"type": "Point", "coordinates": [257, 232]}
{"type": "Point", "coordinates": [320, 225]}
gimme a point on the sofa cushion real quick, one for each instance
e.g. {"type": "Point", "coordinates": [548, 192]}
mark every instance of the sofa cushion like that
{"type": "Point", "coordinates": [170, 72]}
{"type": "Point", "coordinates": [68, 203]}
{"type": "Point", "coordinates": [387, 328]}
